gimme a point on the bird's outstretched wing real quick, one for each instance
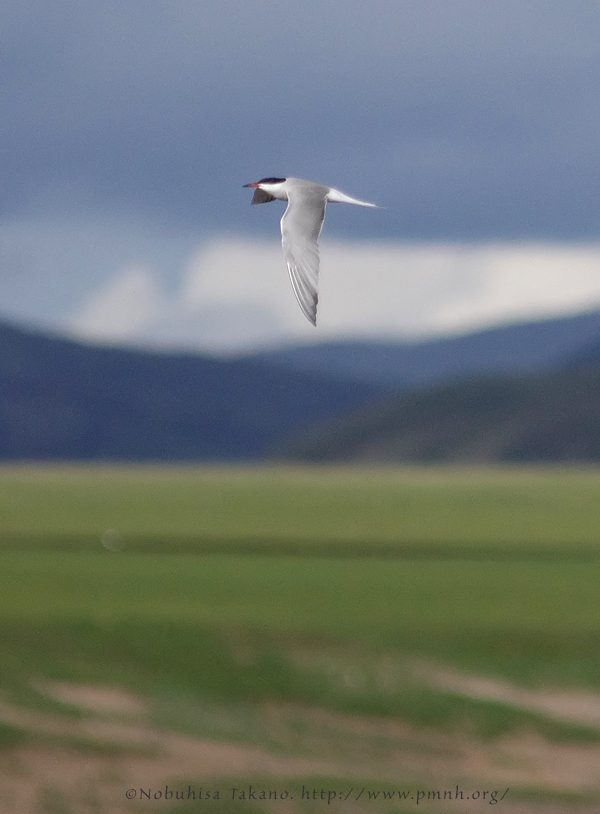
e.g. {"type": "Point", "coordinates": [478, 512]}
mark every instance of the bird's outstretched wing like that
{"type": "Point", "coordinates": [260, 196]}
{"type": "Point", "coordinates": [300, 229]}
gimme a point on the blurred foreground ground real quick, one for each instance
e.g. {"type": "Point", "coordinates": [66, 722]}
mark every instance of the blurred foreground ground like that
{"type": "Point", "coordinates": [372, 635]}
{"type": "Point", "coordinates": [89, 765]}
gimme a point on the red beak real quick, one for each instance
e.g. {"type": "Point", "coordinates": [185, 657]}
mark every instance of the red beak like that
{"type": "Point", "coordinates": [255, 186]}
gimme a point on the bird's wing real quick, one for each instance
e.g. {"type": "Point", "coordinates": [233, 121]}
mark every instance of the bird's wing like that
{"type": "Point", "coordinates": [300, 229]}
{"type": "Point", "coordinates": [260, 196]}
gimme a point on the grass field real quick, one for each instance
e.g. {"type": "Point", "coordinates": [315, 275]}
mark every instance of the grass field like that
{"type": "Point", "coordinates": [237, 600]}
{"type": "Point", "coordinates": [174, 506]}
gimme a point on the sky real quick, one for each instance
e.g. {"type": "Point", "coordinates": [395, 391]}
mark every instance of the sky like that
{"type": "Point", "coordinates": [129, 129]}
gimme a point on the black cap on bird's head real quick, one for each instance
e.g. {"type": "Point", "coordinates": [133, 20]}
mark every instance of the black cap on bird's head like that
{"type": "Point", "coordinates": [260, 195]}
{"type": "Point", "coordinates": [268, 181]}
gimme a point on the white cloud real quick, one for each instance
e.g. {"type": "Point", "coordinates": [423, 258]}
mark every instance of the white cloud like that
{"type": "Point", "coordinates": [514, 282]}
{"type": "Point", "coordinates": [235, 295]}
{"type": "Point", "coordinates": [122, 308]}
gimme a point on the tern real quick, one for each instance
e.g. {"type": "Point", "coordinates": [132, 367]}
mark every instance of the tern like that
{"type": "Point", "coordinates": [301, 226]}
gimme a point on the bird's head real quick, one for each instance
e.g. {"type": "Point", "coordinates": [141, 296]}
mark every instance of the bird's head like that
{"type": "Point", "coordinates": [268, 189]}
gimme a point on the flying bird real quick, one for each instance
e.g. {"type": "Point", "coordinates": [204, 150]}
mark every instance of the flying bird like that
{"type": "Point", "coordinates": [301, 226]}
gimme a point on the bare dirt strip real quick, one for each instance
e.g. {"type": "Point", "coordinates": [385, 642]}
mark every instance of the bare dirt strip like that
{"type": "Point", "coordinates": [85, 765]}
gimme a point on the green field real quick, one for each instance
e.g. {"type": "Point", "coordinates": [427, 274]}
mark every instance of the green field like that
{"type": "Point", "coordinates": [213, 591]}
{"type": "Point", "coordinates": [525, 508]}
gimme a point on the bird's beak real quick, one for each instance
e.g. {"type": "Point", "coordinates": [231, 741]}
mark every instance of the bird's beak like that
{"type": "Point", "coordinates": [254, 186]}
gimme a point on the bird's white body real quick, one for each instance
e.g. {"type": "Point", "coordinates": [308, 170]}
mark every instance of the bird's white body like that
{"type": "Point", "coordinates": [301, 226]}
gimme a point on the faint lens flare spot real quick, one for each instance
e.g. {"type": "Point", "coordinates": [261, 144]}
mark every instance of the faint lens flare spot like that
{"type": "Point", "coordinates": [111, 539]}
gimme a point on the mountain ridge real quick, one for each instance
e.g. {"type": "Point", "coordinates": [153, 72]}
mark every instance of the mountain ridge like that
{"type": "Point", "coordinates": [547, 417]}
{"type": "Point", "coordinates": [61, 399]}
{"type": "Point", "coordinates": [516, 348]}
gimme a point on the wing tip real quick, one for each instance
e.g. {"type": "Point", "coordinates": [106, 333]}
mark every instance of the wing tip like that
{"type": "Point", "coordinates": [307, 299]}
{"type": "Point", "coordinates": [311, 316]}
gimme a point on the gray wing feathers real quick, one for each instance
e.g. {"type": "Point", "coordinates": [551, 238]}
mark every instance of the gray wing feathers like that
{"type": "Point", "coordinates": [304, 277]}
{"type": "Point", "coordinates": [300, 228]}
{"type": "Point", "coordinates": [260, 197]}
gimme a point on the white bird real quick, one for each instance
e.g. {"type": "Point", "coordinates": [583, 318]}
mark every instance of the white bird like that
{"type": "Point", "coordinates": [301, 226]}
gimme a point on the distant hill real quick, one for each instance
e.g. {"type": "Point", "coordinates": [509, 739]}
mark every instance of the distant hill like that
{"type": "Point", "coordinates": [66, 400]}
{"type": "Point", "coordinates": [547, 417]}
{"type": "Point", "coordinates": [523, 348]}
{"type": "Point", "coordinates": [61, 399]}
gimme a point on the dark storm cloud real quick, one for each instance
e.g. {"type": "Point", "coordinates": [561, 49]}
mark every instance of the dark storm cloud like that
{"type": "Point", "coordinates": [468, 119]}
